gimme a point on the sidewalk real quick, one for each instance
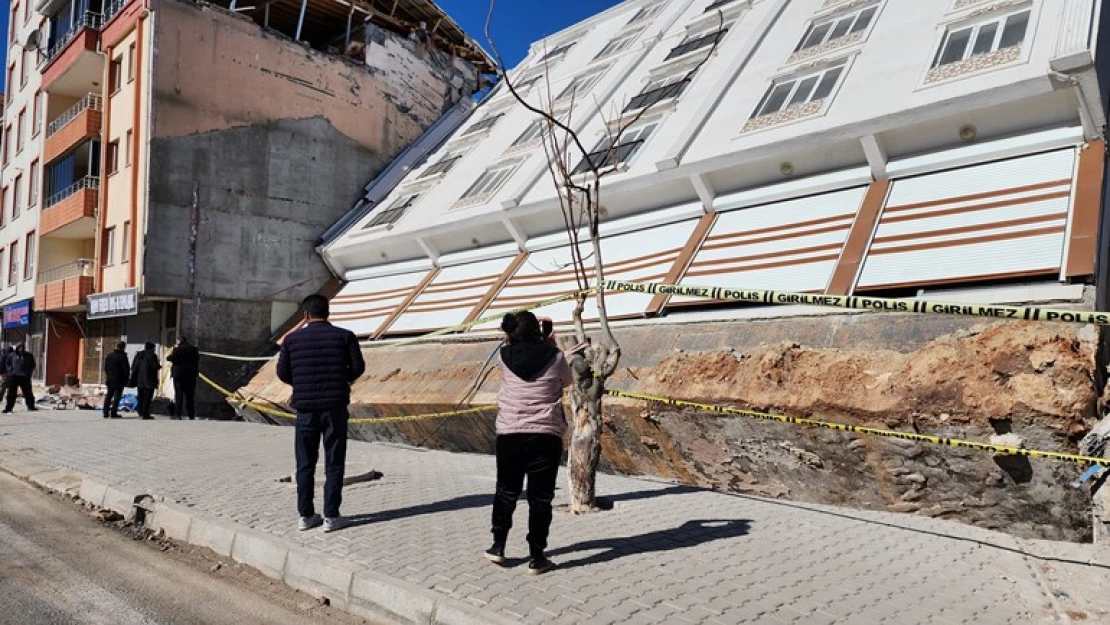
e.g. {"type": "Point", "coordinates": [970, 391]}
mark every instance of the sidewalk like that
{"type": "Point", "coordinates": [665, 554]}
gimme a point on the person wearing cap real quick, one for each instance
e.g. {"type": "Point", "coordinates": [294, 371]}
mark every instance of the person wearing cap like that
{"type": "Point", "coordinates": [185, 369]}
{"type": "Point", "coordinates": [19, 365]}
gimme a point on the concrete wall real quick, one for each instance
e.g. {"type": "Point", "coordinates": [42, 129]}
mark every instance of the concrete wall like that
{"type": "Point", "coordinates": [952, 377]}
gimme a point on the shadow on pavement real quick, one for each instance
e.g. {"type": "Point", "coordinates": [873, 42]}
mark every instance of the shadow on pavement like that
{"type": "Point", "coordinates": [689, 534]}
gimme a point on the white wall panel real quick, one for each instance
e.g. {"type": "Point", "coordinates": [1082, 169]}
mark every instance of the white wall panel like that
{"type": "Point", "coordinates": [450, 297]}
{"type": "Point", "coordinates": [363, 305]}
{"type": "Point", "coordinates": [995, 220]}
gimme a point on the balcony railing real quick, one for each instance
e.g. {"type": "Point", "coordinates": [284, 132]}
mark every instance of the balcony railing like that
{"type": "Point", "coordinates": [650, 98]}
{"type": "Point", "coordinates": [718, 4]}
{"type": "Point", "coordinates": [80, 268]}
{"type": "Point", "coordinates": [111, 8]}
{"type": "Point", "coordinates": [88, 20]}
{"type": "Point", "coordinates": [91, 101]}
{"type": "Point", "coordinates": [88, 182]}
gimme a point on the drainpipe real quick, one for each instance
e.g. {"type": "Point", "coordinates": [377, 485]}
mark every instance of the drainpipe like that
{"type": "Point", "coordinates": [140, 31]}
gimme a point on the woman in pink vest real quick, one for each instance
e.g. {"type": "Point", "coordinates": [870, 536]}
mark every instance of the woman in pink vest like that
{"type": "Point", "coordinates": [530, 428]}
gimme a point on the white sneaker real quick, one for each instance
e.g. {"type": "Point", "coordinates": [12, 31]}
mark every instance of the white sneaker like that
{"type": "Point", "coordinates": [337, 523]}
{"type": "Point", "coordinates": [309, 522]}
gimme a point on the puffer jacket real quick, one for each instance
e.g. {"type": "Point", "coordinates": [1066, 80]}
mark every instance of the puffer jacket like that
{"type": "Point", "coordinates": [320, 361]}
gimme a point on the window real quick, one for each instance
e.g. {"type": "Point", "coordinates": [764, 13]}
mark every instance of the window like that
{"type": "Point", "coordinates": [26, 12]}
{"type": "Point", "coordinates": [443, 165]}
{"type": "Point", "coordinates": [33, 185]}
{"type": "Point", "coordinates": [697, 42]}
{"type": "Point", "coordinates": [13, 263]}
{"type": "Point", "coordinates": [558, 52]}
{"type": "Point", "coordinates": [2, 250]}
{"type": "Point", "coordinates": [527, 83]}
{"type": "Point", "coordinates": [7, 141]}
{"type": "Point", "coordinates": [608, 153]}
{"type": "Point", "coordinates": [646, 13]}
{"type": "Point", "coordinates": [36, 114]}
{"type": "Point", "coordinates": [716, 4]}
{"type": "Point", "coordinates": [115, 75]}
{"type": "Point", "coordinates": [17, 195]}
{"type": "Point", "coordinates": [113, 157]}
{"type": "Point", "coordinates": [11, 30]}
{"type": "Point", "coordinates": [531, 133]}
{"type": "Point", "coordinates": [109, 247]}
{"type": "Point", "coordinates": [580, 85]}
{"type": "Point", "coordinates": [837, 27]}
{"type": "Point", "coordinates": [490, 181]}
{"type": "Point", "coordinates": [125, 253]}
{"type": "Point", "coordinates": [3, 207]}
{"type": "Point", "coordinates": [131, 63]}
{"type": "Point", "coordinates": [658, 90]}
{"type": "Point", "coordinates": [10, 82]}
{"type": "Point", "coordinates": [787, 94]}
{"type": "Point", "coordinates": [394, 211]}
{"type": "Point", "coordinates": [20, 135]}
{"type": "Point", "coordinates": [620, 44]}
{"type": "Point", "coordinates": [127, 149]}
{"type": "Point", "coordinates": [488, 122]}
{"type": "Point", "coordinates": [997, 33]}
{"type": "Point", "coordinates": [24, 69]}
{"type": "Point", "coordinates": [29, 256]}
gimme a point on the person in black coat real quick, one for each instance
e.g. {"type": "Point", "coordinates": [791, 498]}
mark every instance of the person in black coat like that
{"type": "Point", "coordinates": [320, 361]}
{"type": "Point", "coordinates": [144, 377]}
{"type": "Point", "coordinates": [185, 369]}
{"type": "Point", "coordinates": [116, 372]}
{"type": "Point", "coordinates": [20, 365]}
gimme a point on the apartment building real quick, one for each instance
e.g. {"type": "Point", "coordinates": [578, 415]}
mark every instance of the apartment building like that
{"type": "Point", "coordinates": [185, 157]}
{"type": "Point", "coordinates": [21, 185]}
{"type": "Point", "coordinates": [893, 147]}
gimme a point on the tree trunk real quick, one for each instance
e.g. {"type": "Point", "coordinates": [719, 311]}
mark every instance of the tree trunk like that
{"type": "Point", "coordinates": [585, 448]}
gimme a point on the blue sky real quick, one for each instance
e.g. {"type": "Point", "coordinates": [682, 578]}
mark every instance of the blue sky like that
{"type": "Point", "coordinates": [516, 23]}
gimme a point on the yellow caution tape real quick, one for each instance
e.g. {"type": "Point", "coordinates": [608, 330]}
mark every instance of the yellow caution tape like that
{"type": "Point", "coordinates": [867, 431]}
{"type": "Point", "coordinates": [853, 302]}
{"type": "Point", "coordinates": [423, 337]}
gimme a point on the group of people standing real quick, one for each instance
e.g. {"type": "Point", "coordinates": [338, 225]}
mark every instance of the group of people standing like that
{"type": "Point", "coordinates": [142, 374]}
{"type": "Point", "coordinates": [321, 362]}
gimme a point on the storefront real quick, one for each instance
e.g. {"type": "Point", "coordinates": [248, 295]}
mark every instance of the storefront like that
{"type": "Point", "coordinates": [22, 325]}
{"type": "Point", "coordinates": [123, 316]}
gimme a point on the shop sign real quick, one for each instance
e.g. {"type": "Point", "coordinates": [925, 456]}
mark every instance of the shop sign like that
{"type": "Point", "coordinates": [17, 315]}
{"type": "Point", "coordinates": [123, 303]}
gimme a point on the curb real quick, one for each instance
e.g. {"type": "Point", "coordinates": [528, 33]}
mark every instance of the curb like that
{"type": "Point", "coordinates": [364, 593]}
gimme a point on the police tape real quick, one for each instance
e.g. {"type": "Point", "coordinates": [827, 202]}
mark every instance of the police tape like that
{"type": "Point", "coordinates": [423, 337]}
{"type": "Point", "coordinates": [285, 414]}
{"type": "Point", "coordinates": [854, 302]}
{"type": "Point", "coordinates": [868, 431]}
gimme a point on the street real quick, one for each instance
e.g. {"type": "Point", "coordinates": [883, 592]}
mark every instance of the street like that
{"type": "Point", "coordinates": [59, 566]}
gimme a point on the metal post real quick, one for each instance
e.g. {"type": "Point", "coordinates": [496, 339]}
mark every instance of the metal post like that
{"type": "Point", "coordinates": [266, 16]}
{"type": "Point", "coordinates": [349, 17]}
{"type": "Point", "coordinates": [300, 20]}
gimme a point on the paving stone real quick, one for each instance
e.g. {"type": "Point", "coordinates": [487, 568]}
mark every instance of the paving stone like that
{"type": "Point", "coordinates": [650, 560]}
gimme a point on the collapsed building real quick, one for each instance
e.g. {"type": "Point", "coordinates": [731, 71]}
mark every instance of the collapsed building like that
{"type": "Point", "coordinates": [192, 153]}
{"type": "Point", "coordinates": [948, 151]}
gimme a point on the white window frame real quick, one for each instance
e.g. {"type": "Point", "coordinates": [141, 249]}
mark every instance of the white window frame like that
{"type": "Point", "coordinates": [450, 155]}
{"type": "Point", "coordinates": [580, 85]}
{"type": "Point", "coordinates": [852, 17]}
{"type": "Point", "coordinates": [618, 44]}
{"type": "Point", "coordinates": [998, 19]}
{"type": "Point", "coordinates": [797, 83]}
{"type": "Point", "coordinates": [490, 181]}
{"type": "Point", "coordinates": [531, 133]}
{"type": "Point", "coordinates": [646, 12]}
{"type": "Point", "coordinates": [478, 128]}
{"type": "Point", "coordinates": [556, 53]}
{"type": "Point", "coordinates": [640, 132]}
{"type": "Point", "coordinates": [661, 82]}
{"type": "Point", "coordinates": [384, 217]}
{"type": "Point", "coordinates": [701, 33]}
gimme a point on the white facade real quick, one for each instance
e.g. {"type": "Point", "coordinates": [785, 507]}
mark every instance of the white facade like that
{"type": "Point", "coordinates": [780, 135]}
{"type": "Point", "coordinates": [22, 173]}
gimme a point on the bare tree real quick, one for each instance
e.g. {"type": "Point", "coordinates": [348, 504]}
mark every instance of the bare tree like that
{"type": "Point", "coordinates": [578, 188]}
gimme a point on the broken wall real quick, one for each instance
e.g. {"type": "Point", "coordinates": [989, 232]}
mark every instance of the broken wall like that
{"type": "Point", "coordinates": [258, 145]}
{"type": "Point", "coordinates": [950, 377]}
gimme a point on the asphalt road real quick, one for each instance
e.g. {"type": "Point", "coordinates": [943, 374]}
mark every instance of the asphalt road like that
{"type": "Point", "coordinates": [59, 566]}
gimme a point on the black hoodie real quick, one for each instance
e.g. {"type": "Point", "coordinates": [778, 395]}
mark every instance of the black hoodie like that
{"type": "Point", "coordinates": [528, 360]}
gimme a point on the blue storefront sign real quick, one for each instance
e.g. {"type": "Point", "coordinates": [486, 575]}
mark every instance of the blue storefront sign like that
{"type": "Point", "coordinates": [17, 315]}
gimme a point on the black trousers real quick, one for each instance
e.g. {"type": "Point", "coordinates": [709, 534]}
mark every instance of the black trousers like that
{"type": "Point", "coordinates": [537, 457]}
{"type": "Point", "coordinates": [331, 425]}
{"type": "Point", "coordinates": [146, 396]}
{"type": "Point", "coordinates": [111, 401]}
{"type": "Point", "coordinates": [21, 383]}
{"type": "Point", "coordinates": [184, 397]}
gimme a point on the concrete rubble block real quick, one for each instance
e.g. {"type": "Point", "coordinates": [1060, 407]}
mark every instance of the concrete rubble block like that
{"type": "Point", "coordinates": [377, 596]}
{"type": "Point", "coordinates": [173, 520]}
{"type": "Point", "coordinates": [318, 578]}
{"type": "Point", "coordinates": [119, 501]}
{"type": "Point", "coordinates": [263, 553]}
{"type": "Point", "coordinates": [215, 535]}
{"type": "Point", "coordinates": [92, 492]}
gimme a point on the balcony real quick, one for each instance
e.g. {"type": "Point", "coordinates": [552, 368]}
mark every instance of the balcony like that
{"type": "Point", "coordinates": [72, 64]}
{"type": "Point", "coordinates": [78, 124]}
{"type": "Point", "coordinates": [65, 287]}
{"type": "Point", "coordinates": [71, 213]}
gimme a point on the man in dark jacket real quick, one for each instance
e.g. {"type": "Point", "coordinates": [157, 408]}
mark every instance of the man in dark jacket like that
{"type": "Point", "coordinates": [116, 372]}
{"type": "Point", "coordinates": [186, 367]}
{"type": "Point", "coordinates": [144, 377]}
{"type": "Point", "coordinates": [320, 361]}
{"type": "Point", "coordinates": [20, 365]}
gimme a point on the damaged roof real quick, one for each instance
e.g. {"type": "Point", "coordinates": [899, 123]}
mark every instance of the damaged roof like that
{"type": "Point", "coordinates": [327, 23]}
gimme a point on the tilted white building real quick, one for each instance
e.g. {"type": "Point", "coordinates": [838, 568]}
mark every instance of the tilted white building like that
{"type": "Point", "coordinates": [841, 146]}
